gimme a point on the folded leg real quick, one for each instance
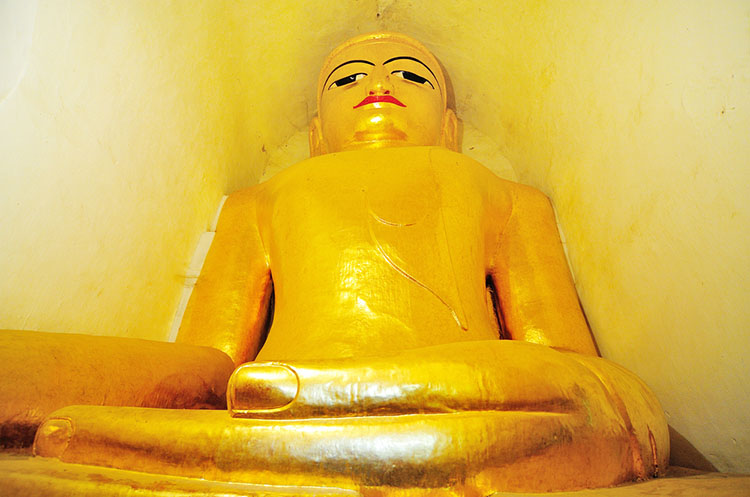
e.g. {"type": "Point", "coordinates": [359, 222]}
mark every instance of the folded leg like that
{"type": "Point", "coordinates": [486, 419]}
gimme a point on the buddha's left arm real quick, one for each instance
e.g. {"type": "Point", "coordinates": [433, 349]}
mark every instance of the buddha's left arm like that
{"type": "Point", "coordinates": [538, 300]}
{"type": "Point", "coordinates": [230, 302]}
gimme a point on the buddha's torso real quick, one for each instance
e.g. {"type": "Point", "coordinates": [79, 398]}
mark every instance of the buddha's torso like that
{"type": "Point", "coordinates": [378, 251]}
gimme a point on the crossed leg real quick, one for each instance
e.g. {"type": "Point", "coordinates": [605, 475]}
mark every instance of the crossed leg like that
{"type": "Point", "coordinates": [481, 416]}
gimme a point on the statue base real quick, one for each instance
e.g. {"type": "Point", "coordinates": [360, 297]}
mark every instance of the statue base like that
{"type": "Point", "coordinates": [23, 475]}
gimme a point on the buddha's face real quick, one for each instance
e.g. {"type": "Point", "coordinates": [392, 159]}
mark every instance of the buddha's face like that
{"type": "Point", "coordinates": [380, 92]}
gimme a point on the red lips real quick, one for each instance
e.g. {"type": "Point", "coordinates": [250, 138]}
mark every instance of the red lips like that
{"type": "Point", "coordinates": [379, 98]}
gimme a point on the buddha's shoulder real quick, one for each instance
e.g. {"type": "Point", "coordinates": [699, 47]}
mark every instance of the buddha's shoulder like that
{"type": "Point", "coordinates": [385, 162]}
{"type": "Point", "coordinates": [388, 166]}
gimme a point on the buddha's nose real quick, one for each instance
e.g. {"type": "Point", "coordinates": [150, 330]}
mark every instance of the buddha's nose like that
{"type": "Point", "coordinates": [381, 85]}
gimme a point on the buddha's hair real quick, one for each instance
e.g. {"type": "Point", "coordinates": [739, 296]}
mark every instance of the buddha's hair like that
{"type": "Point", "coordinates": [431, 60]}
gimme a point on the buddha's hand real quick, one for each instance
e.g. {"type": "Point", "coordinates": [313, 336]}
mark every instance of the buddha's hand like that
{"type": "Point", "coordinates": [467, 376]}
{"type": "Point", "coordinates": [508, 397]}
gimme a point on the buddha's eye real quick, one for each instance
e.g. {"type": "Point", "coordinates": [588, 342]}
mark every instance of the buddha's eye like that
{"type": "Point", "coordinates": [416, 78]}
{"type": "Point", "coordinates": [347, 80]}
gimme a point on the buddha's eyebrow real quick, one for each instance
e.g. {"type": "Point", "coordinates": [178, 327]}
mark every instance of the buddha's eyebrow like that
{"type": "Point", "coordinates": [415, 60]}
{"type": "Point", "coordinates": [345, 63]}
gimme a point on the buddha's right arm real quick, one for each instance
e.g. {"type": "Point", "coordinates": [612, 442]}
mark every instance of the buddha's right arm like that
{"type": "Point", "coordinates": [229, 304]}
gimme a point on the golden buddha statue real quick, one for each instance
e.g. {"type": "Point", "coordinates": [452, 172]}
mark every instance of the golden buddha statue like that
{"type": "Point", "coordinates": [402, 321]}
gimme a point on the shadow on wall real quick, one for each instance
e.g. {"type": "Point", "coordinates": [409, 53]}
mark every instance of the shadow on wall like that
{"type": "Point", "coordinates": [682, 453]}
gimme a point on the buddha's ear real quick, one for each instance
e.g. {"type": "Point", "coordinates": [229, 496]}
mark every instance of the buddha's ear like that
{"type": "Point", "coordinates": [449, 137]}
{"type": "Point", "coordinates": [317, 145]}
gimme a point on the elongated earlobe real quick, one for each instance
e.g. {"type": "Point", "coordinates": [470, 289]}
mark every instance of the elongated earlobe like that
{"type": "Point", "coordinates": [317, 146]}
{"type": "Point", "coordinates": [449, 137]}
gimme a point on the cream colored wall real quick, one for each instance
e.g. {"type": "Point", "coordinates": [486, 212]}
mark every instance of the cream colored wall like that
{"type": "Point", "coordinates": [133, 118]}
{"type": "Point", "coordinates": [16, 28]}
{"type": "Point", "coordinates": [115, 145]}
{"type": "Point", "coordinates": [131, 121]}
{"type": "Point", "coordinates": [634, 117]}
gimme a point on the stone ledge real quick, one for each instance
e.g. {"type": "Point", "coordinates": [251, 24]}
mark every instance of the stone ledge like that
{"type": "Point", "coordinates": [22, 475]}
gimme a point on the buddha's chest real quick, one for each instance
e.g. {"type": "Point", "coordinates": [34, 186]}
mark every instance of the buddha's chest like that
{"type": "Point", "coordinates": [410, 200]}
{"type": "Point", "coordinates": [379, 254]}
